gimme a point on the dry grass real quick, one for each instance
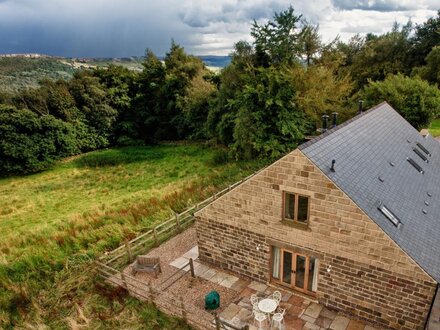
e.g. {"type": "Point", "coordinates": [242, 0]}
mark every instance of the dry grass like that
{"type": "Point", "coordinates": [54, 223]}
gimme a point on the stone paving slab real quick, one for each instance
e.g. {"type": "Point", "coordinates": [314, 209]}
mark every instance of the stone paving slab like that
{"type": "Point", "coordinates": [209, 274]}
{"type": "Point", "coordinates": [258, 286]}
{"type": "Point", "coordinates": [340, 323]}
{"type": "Point", "coordinates": [308, 318]}
{"type": "Point", "coordinates": [230, 311]}
{"type": "Point", "coordinates": [356, 325]}
{"type": "Point", "coordinates": [313, 310]}
{"type": "Point", "coordinates": [229, 280]}
{"type": "Point", "coordinates": [179, 262]}
{"type": "Point", "coordinates": [193, 253]}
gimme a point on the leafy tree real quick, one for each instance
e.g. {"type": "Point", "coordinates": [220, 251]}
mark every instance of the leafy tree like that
{"type": "Point", "coordinates": [268, 123]}
{"type": "Point", "coordinates": [121, 90]}
{"type": "Point", "coordinates": [426, 37]}
{"type": "Point", "coordinates": [278, 40]}
{"type": "Point", "coordinates": [31, 143]}
{"type": "Point", "coordinates": [431, 71]}
{"type": "Point", "coordinates": [92, 100]}
{"type": "Point", "coordinates": [310, 42]}
{"type": "Point", "coordinates": [380, 56]}
{"type": "Point", "coordinates": [416, 100]}
{"type": "Point", "coordinates": [320, 91]}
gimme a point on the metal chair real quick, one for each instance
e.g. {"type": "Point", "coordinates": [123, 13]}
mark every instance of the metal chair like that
{"type": "Point", "coordinates": [278, 318]}
{"type": "Point", "coordinates": [277, 296]}
{"type": "Point", "coordinates": [260, 318]}
{"type": "Point", "coordinates": [254, 302]}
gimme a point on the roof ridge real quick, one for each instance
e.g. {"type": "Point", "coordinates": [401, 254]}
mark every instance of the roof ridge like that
{"type": "Point", "coordinates": [345, 123]}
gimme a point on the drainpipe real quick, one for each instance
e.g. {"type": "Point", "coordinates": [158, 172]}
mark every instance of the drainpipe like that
{"type": "Point", "coordinates": [426, 327]}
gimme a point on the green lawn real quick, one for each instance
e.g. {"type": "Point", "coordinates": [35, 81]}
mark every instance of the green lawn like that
{"type": "Point", "coordinates": [434, 128]}
{"type": "Point", "coordinates": [54, 223]}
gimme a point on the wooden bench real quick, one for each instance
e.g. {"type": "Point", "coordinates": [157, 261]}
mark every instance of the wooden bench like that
{"type": "Point", "coordinates": [147, 265]}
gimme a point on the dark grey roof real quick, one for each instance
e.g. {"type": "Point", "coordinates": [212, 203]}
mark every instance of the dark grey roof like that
{"type": "Point", "coordinates": [364, 148]}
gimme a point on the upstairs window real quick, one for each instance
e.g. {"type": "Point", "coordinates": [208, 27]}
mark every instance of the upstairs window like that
{"type": "Point", "coordinates": [296, 208]}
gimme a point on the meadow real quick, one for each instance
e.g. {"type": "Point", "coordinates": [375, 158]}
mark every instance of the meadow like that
{"type": "Point", "coordinates": [55, 223]}
{"type": "Point", "coordinates": [434, 128]}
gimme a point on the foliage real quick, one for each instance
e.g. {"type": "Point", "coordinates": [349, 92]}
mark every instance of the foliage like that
{"type": "Point", "coordinates": [379, 56]}
{"type": "Point", "coordinates": [430, 71]}
{"type": "Point", "coordinates": [29, 143]}
{"type": "Point", "coordinates": [277, 41]}
{"type": "Point", "coordinates": [320, 91]}
{"type": "Point", "coordinates": [426, 37]}
{"type": "Point", "coordinates": [416, 100]}
{"type": "Point", "coordinates": [267, 123]}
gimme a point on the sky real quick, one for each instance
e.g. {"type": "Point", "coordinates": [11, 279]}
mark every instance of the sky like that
{"type": "Point", "coordinates": [123, 28]}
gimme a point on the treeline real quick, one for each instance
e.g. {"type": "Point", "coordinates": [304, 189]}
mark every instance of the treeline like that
{"type": "Point", "coordinates": [263, 104]}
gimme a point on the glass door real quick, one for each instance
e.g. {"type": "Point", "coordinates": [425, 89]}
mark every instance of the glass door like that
{"type": "Point", "coordinates": [300, 272]}
{"type": "Point", "coordinates": [287, 267]}
{"type": "Point", "coordinates": [294, 270]}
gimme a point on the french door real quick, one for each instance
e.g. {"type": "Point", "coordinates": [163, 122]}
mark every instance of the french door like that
{"type": "Point", "coordinates": [295, 270]}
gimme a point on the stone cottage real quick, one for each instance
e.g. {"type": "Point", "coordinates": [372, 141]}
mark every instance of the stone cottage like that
{"type": "Point", "coordinates": [350, 218]}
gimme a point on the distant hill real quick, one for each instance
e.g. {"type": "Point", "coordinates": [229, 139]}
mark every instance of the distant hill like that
{"type": "Point", "coordinates": [18, 71]}
{"type": "Point", "coordinates": [216, 61]}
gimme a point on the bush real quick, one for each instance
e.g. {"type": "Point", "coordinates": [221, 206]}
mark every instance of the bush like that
{"type": "Point", "coordinates": [29, 143]}
{"type": "Point", "coordinates": [416, 100]}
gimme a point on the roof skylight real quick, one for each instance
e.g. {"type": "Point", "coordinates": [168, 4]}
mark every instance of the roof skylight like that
{"type": "Point", "coordinates": [416, 166]}
{"type": "Point", "coordinates": [424, 149]}
{"type": "Point", "coordinates": [390, 215]}
{"type": "Point", "coordinates": [417, 151]}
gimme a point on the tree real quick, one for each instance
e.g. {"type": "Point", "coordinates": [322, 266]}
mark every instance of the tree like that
{"type": "Point", "coordinates": [430, 71]}
{"type": "Point", "coordinates": [267, 123]}
{"type": "Point", "coordinates": [381, 56]}
{"type": "Point", "coordinates": [31, 143]}
{"type": "Point", "coordinates": [320, 91]}
{"type": "Point", "coordinates": [278, 40]}
{"type": "Point", "coordinates": [310, 41]}
{"type": "Point", "coordinates": [416, 100]}
{"type": "Point", "coordinates": [426, 37]}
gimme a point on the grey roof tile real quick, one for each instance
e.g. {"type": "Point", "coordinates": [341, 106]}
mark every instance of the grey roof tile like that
{"type": "Point", "coordinates": [363, 148]}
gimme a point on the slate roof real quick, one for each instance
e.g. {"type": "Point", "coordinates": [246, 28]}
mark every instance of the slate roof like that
{"type": "Point", "coordinates": [364, 148]}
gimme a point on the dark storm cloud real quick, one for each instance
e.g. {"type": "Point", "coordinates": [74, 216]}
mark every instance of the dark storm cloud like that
{"type": "Point", "coordinates": [119, 28]}
{"type": "Point", "coordinates": [377, 5]}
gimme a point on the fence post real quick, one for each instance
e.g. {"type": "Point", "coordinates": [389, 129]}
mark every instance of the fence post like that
{"type": "Point", "coordinates": [177, 222]}
{"type": "Point", "coordinates": [191, 267]}
{"type": "Point", "coordinates": [124, 281]}
{"type": "Point", "coordinates": [127, 246]}
{"type": "Point", "coordinates": [156, 240]}
{"type": "Point", "coordinates": [217, 322]}
{"type": "Point", "coordinates": [182, 306]}
{"type": "Point", "coordinates": [246, 327]}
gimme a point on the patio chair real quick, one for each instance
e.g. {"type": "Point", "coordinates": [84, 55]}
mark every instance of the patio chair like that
{"type": "Point", "coordinates": [147, 265]}
{"type": "Point", "coordinates": [260, 318]}
{"type": "Point", "coordinates": [277, 296]}
{"type": "Point", "coordinates": [254, 302]}
{"type": "Point", "coordinates": [278, 318]}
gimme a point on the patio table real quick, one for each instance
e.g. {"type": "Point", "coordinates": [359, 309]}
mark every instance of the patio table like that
{"type": "Point", "coordinates": [267, 305]}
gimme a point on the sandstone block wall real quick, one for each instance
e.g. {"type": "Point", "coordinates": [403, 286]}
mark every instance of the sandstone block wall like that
{"type": "Point", "coordinates": [366, 263]}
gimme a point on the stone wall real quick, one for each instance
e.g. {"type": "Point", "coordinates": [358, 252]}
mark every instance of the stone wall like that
{"type": "Point", "coordinates": [235, 249]}
{"type": "Point", "coordinates": [363, 257]}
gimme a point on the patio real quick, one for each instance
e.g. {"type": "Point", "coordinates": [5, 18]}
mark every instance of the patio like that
{"type": "Point", "coordinates": [235, 306]}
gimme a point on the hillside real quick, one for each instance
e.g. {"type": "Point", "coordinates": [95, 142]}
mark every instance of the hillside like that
{"type": "Point", "coordinates": [55, 222]}
{"type": "Point", "coordinates": [18, 71]}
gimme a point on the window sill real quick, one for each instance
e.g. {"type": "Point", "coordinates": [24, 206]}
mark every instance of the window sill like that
{"type": "Point", "coordinates": [296, 224]}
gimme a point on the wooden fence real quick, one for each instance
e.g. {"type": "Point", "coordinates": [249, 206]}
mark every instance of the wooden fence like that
{"type": "Point", "coordinates": [123, 255]}
{"type": "Point", "coordinates": [110, 267]}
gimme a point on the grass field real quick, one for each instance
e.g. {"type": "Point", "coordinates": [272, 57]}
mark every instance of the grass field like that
{"type": "Point", "coordinates": [54, 223]}
{"type": "Point", "coordinates": [434, 128]}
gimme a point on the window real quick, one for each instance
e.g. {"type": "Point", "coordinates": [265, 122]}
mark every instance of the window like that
{"type": "Point", "coordinates": [296, 208]}
{"type": "Point", "coordinates": [424, 149]}
{"type": "Point", "coordinates": [416, 166]}
{"type": "Point", "coordinates": [422, 156]}
{"type": "Point", "coordinates": [390, 215]}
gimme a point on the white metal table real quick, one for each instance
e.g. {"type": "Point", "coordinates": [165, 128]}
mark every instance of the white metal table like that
{"type": "Point", "coordinates": [267, 305]}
